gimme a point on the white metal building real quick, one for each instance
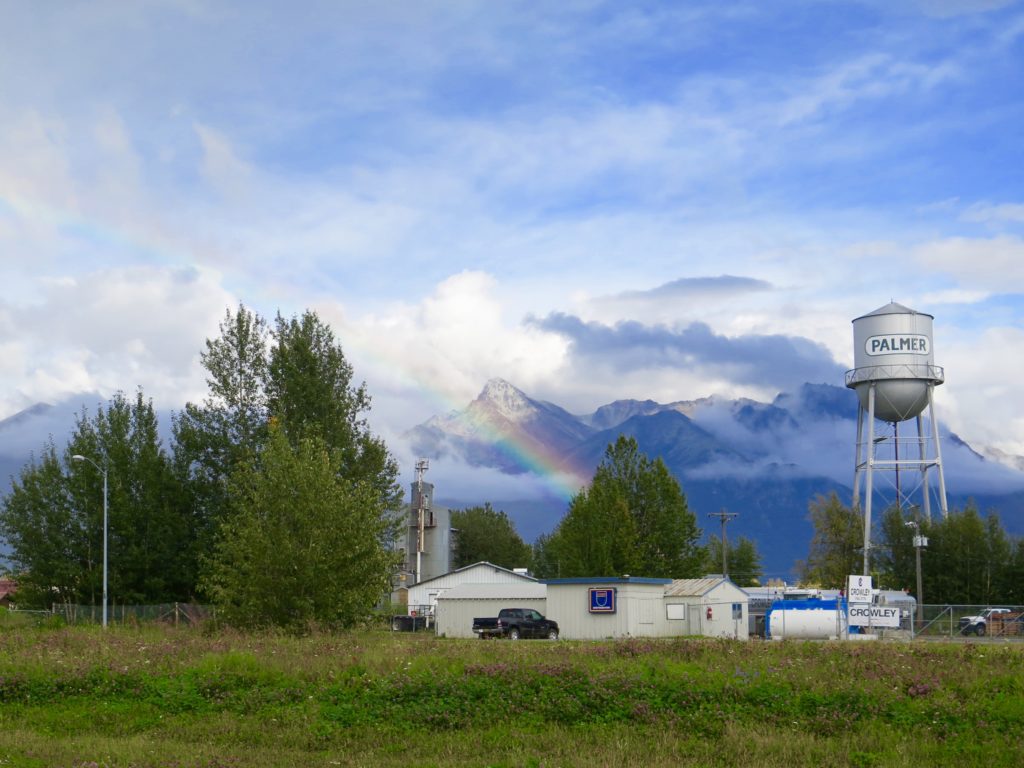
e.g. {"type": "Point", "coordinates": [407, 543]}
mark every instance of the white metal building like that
{"type": "Point", "coordinates": [422, 597]}
{"type": "Point", "coordinates": [599, 608]}
{"type": "Point", "coordinates": [458, 606]}
{"type": "Point", "coordinates": [712, 607]}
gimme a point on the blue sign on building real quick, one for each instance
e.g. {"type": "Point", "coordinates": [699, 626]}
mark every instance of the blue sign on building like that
{"type": "Point", "coordinates": [602, 600]}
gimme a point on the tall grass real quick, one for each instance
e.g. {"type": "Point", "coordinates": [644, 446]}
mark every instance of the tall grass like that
{"type": "Point", "coordinates": [154, 696]}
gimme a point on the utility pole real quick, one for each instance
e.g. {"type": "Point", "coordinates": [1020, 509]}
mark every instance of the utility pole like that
{"type": "Point", "coordinates": [725, 517]}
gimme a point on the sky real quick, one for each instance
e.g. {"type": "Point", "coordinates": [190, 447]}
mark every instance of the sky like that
{"type": "Point", "coordinates": [592, 200]}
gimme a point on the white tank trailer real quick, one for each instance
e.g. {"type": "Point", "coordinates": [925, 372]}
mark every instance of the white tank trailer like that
{"type": "Point", "coordinates": [895, 379]}
{"type": "Point", "coordinates": [806, 620]}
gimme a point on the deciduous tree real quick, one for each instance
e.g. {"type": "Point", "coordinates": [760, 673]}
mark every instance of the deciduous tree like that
{"type": "Point", "coordinates": [53, 517]}
{"type": "Point", "coordinates": [632, 519]}
{"type": "Point", "coordinates": [744, 561]}
{"type": "Point", "coordinates": [303, 545]}
{"type": "Point", "coordinates": [837, 544]}
{"type": "Point", "coordinates": [486, 534]}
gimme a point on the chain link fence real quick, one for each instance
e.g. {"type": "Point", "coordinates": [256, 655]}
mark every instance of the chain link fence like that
{"type": "Point", "coordinates": [177, 614]}
{"type": "Point", "coordinates": [1000, 622]}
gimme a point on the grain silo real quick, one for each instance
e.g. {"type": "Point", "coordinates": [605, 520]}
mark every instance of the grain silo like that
{"type": "Point", "coordinates": [895, 379]}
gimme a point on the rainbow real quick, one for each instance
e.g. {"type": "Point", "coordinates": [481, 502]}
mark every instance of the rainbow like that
{"type": "Point", "coordinates": [557, 474]}
{"type": "Point", "coordinates": [77, 226]}
{"type": "Point", "coordinates": [539, 460]}
{"type": "Point", "coordinates": [562, 479]}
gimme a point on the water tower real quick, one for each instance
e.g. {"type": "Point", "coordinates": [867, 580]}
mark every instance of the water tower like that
{"type": "Point", "coordinates": [895, 379]}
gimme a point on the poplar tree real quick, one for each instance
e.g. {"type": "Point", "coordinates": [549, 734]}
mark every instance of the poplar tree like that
{"type": "Point", "coordinates": [486, 534]}
{"type": "Point", "coordinates": [227, 428]}
{"type": "Point", "coordinates": [744, 561]}
{"type": "Point", "coordinates": [837, 544]}
{"type": "Point", "coordinates": [53, 516]}
{"type": "Point", "coordinates": [310, 391]}
{"type": "Point", "coordinates": [302, 546]}
{"type": "Point", "coordinates": [632, 519]}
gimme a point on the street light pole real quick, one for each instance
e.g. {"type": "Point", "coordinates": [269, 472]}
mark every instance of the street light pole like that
{"type": "Point", "coordinates": [919, 541]}
{"type": "Point", "coordinates": [103, 471]}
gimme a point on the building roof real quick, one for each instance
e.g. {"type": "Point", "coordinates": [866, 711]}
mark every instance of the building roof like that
{"type": "Point", "coordinates": [522, 576]}
{"type": "Point", "coordinates": [892, 308]}
{"type": "Point", "coordinates": [695, 587]}
{"type": "Point", "coordinates": [522, 591]}
{"type": "Point", "coordinates": [609, 580]}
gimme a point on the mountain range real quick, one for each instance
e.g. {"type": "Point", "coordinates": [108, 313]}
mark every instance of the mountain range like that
{"type": "Point", "coordinates": [766, 461]}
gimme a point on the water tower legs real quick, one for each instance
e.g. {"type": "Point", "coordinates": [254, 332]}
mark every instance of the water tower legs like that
{"type": "Point", "coordinates": [927, 508]}
{"type": "Point", "coordinates": [938, 451]}
{"type": "Point", "coordinates": [868, 461]}
{"type": "Point", "coordinates": [869, 487]}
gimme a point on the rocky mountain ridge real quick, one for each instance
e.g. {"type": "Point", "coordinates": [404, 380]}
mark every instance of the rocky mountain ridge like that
{"type": "Point", "coordinates": [766, 461]}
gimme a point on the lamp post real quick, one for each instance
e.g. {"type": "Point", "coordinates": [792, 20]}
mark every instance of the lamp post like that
{"type": "Point", "coordinates": [103, 471]}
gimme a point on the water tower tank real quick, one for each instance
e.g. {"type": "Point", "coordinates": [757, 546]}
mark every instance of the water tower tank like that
{"type": "Point", "coordinates": [893, 349]}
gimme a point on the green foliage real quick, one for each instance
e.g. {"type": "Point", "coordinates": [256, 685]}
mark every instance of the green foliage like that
{"type": "Point", "coordinates": [309, 389]}
{"type": "Point", "coordinates": [74, 697]}
{"type": "Point", "coordinates": [744, 561]}
{"type": "Point", "coordinates": [837, 544]}
{"type": "Point", "coordinates": [632, 519]}
{"type": "Point", "coordinates": [969, 559]}
{"type": "Point", "coordinates": [53, 516]}
{"type": "Point", "coordinates": [486, 534]}
{"type": "Point", "coordinates": [49, 535]}
{"type": "Point", "coordinates": [296, 375]}
{"type": "Point", "coordinates": [228, 427]}
{"type": "Point", "coordinates": [303, 545]}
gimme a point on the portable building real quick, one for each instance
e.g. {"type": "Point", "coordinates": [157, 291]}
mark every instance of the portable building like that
{"type": "Point", "coordinates": [599, 608]}
{"type": "Point", "coordinates": [459, 605]}
{"type": "Point", "coordinates": [712, 606]}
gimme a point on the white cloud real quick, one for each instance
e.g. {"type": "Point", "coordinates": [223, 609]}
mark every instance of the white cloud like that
{"type": "Point", "coordinates": [950, 8]}
{"type": "Point", "coordinates": [981, 398]}
{"type": "Point", "coordinates": [113, 330]}
{"type": "Point", "coordinates": [994, 264]}
{"type": "Point", "coordinates": [451, 342]}
{"type": "Point", "coordinates": [989, 213]}
{"type": "Point", "coordinates": [871, 77]}
{"type": "Point", "coordinates": [222, 168]}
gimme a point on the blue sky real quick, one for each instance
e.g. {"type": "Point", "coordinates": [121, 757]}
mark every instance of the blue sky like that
{"type": "Point", "coordinates": [593, 200]}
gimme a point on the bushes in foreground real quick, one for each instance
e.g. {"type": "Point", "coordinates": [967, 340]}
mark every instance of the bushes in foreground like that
{"type": "Point", "coordinates": [368, 693]}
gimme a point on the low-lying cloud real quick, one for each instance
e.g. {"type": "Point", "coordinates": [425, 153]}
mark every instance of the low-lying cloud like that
{"type": "Point", "coordinates": [769, 361]}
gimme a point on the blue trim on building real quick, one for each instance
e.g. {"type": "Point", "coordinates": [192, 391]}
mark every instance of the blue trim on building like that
{"type": "Point", "coordinates": [611, 580]}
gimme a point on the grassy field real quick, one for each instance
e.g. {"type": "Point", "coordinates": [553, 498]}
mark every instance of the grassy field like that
{"type": "Point", "coordinates": [156, 696]}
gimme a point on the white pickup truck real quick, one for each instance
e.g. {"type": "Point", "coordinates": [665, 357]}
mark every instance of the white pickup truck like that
{"type": "Point", "coordinates": [978, 625]}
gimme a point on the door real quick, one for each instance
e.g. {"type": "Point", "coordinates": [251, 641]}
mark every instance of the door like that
{"type": "Point", "coordinates": [532, 624]}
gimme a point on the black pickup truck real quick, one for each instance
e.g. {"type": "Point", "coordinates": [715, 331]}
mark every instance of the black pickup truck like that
{"type": "Point", "coordinates": [515, 623]}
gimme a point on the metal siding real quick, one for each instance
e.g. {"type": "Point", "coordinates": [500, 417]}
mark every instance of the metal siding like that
{"type": "Point", "coordinates": [568, 605]}
{"type": "Point", "coordinates": [721, 599]}
{"type": "Point", "coordinates": [455, 617]}
{"type": "Point", "coordinates": [478, 574]}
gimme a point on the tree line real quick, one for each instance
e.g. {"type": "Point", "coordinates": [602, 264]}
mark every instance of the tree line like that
{"type": "Point", "coordinates": [632, 519]}
{"type": "Point", "coordinates": [969, 560]}
{"type": "Point", "coordinates": [275, 500]}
